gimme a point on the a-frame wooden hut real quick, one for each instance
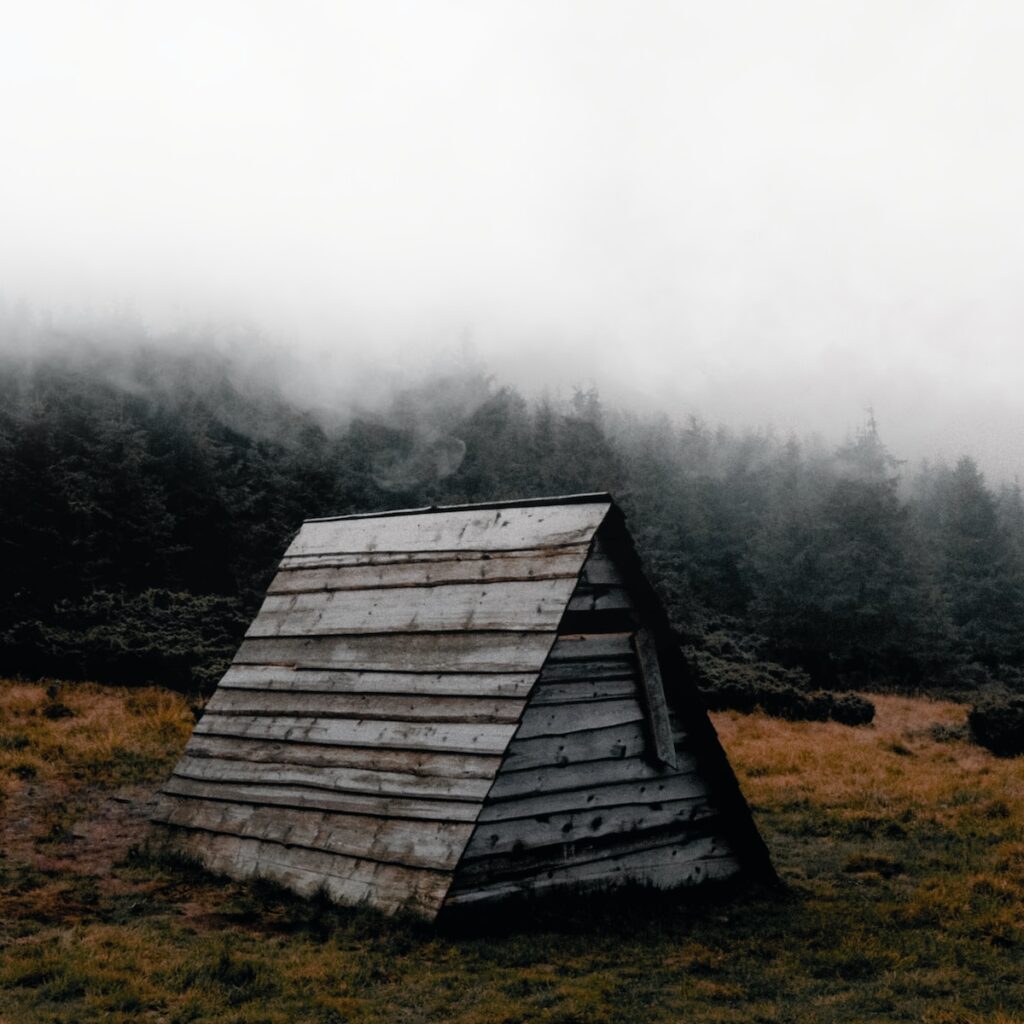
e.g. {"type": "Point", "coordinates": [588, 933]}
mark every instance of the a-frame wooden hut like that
{"type": "Point", "coordinates": [444, 707]}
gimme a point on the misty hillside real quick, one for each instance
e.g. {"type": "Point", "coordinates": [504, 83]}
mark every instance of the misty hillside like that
{"type": "Point", "coordinates": [146, 497]}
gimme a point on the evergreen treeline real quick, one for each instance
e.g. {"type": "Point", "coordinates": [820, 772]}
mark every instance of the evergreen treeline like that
{"type": "Point", "coordinates": [145, 499]}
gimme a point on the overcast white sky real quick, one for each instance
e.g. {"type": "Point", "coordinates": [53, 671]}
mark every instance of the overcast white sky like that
{"type": "Point", "coordinates": [774, 212]}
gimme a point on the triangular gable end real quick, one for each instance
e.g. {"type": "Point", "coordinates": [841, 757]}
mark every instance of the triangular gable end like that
{"type": "Point", "coordinates": [615, 774]}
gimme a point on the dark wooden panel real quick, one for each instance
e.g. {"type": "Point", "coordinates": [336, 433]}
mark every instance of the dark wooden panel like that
{"type": "Point", "coordinates": [620, 741]}
{"type": "Point", "coordinates": [654, 698]}
{"type": "Point", "coordinates": [521, 836]}
{"type": "Point", "coordinates": [639, 794]}
{"type": "Point", "coordinates": [585, 775]}
{"type": "Point", "coordinates": [563, 719]}
{"type": "Point", "coordinates": [375, 807]}
{"type": "Point", "coordinates": [587, 646]}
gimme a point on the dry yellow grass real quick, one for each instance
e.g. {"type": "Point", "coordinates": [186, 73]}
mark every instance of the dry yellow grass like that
{"type": "Point", "coordinates": [902, 849]}
{"type": "Point", "coordinates": [110, 737]}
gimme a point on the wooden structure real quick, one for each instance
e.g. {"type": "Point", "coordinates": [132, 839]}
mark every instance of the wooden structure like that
{"type": "Point", "coordinates": [444, 707]}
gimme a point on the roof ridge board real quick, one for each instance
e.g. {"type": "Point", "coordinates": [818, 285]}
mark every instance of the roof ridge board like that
{"type": "Point", "coordinates": [587, 498]}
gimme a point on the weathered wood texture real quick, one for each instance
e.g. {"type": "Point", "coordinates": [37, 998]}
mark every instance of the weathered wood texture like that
{"type": "Point", "coordinates": [504, 529]}
{"type": "Point", "coordinates": [595, 788]}
{"type": "Point", "coordinates": [448, 706]}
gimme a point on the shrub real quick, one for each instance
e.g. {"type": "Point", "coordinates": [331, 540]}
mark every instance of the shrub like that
{"type": "Point", "coordinates": [778, 691]}
{"type": "Point", "coordinates": [850, 709]}
{"type": "Point", "coordinates": [997, 723]}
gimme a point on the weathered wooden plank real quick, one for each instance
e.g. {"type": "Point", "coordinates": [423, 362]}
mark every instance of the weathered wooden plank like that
{"type": "Point", "coordinates": [445, 737]}
{"type": "Point", "coordinates": [342, 780]}
{"type": "Point", "coordinates": [600, 599]}
{"type": "Point", "coordinates": [559, 563]}
{"type": "Point", "coordinates": [562, 719]}
{"type": "Point", "coordinates": [368, 559]}
{"type": "Point", "coordinates": [700, 839]}
{"type": "Point", "coordinates": [407, 762]}
{"type": "Point", "coordinates": [654, 698]}
{"type": "Point", "coordinates": [600, 570]}
{"type": "Point", "coordinates": [323, 800]}
{"type": "Point", "coordinates": [617, 742]}
{"type": "Point", "coordinates": [349, 880]}
{"type": "Point", "coordinates": [587, 646]}
{"type": "Point", "coordinates": [517, 606]}
{"type": "Point", "coordinates": [474, 529]}
{"type": "Point", "coordinates": [581, 775]}
{"type": "Point", "coordinates": [393, 708]}
{"type": "Point", "coordinates": [638, 794]}
{"type": "Point", "coordinates": [428, 844]}
{"type": "Point", "coordinates": [439, 684]}
{"type": "Point", "coordinates": [588, 670]}
{"type": "Point", "coordinates": [523, 836]}
{"type": "Point", "coordinates": [661, 872]}
{"type": "Point", "coordinates": [584, 692]}
{"type": "Point", "coordinates": [426, 653]}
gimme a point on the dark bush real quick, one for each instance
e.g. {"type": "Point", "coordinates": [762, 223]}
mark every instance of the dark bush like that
{"type": "Point", "coordinates": [57, 709]}
{"type": "Point", "coordinates": [998, 724]}
{"type": "Point", "coordinates": [748, 685]}
{"type": "Point", "coordinates": [850, 709]}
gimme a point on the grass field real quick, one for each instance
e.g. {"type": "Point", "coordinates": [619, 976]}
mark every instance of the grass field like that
{"type": "Point", "coordinates": [901, 846]}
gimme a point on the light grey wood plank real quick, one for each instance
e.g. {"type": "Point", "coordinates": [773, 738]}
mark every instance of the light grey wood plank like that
{"type": "Point", "coordinates": [324, 800]}
{"type": "Point", "coordinates": [523, 835]}
{"type": "Point", "coordinates": [342, 780]}
{"type": "Point", "coordinates": [473, 529]}
{"type": "Point", "coordinates": [389, 707]}
{"type": "Point", "coordinates": [621, 741]}
{"type": "Point", "coordinates": [445, 737]}
{"type": "Point", "coordinates": [348, 880]}
{"type": "Point", "coordinates": [426, 653]}
{"type": "Point", "coordinates": [654, 698]}
{"type": "Point", "coordinates": [558, 563]}
{"type": "Point", "coordinates": [599, 599]}
{"type": "Point", "coordinates": [437, 845]}
{"type": "Point", "coordinates": [562, 719]}
{"type": "Point", "coordinates": [634, 794]}
{"type": "Point", "coordinates": [517, 606]}
{"type": "Point", "coordinates": [406, 762]}
{"type": "Point", "coordinates": [281, 678]}
{"type": "Point", "coordinates": [578, 775]}
{"type": "Point", "coordinates": [698, 841]}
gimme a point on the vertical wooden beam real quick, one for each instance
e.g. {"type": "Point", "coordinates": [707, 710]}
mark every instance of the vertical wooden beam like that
{"type": "Point", "coordinates": [654, 697]}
